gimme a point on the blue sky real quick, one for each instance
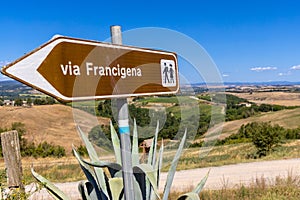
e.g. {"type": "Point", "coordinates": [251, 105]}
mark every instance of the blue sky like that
{"type": "Point", "coordinates": [250, 41]}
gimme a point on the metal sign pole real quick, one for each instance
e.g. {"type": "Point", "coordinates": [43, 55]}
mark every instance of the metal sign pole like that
{"type": "Point", "coordinates": [124, 131]}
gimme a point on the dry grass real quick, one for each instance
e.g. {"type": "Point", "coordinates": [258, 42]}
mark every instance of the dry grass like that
{"type": "Point", "coordinates": [285, 118]}
{"type": "Point", "coordinates": [277, 98]}
{"type": "Point", "coordinates": [52, 123]}
{"type": "Point", "coordinates": [230, 154]}
{"type": "Point", "coordinates": [260, 189]}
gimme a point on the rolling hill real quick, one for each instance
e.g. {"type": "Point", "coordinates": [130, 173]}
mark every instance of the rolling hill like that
{"type": "Point", "coordinates": [286, 118]}
{"type": "Point", "coordinates": [52, 123]}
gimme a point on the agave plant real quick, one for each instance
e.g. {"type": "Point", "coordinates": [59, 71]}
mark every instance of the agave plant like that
{"type": "Point", "coordinates": [104, 179]}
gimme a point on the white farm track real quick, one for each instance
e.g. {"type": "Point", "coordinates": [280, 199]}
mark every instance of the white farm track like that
{"type": "Point", "coordinates": [228, 176]}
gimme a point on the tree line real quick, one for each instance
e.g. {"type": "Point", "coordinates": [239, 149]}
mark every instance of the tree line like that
{"type": "Point", "coordinates": [31, 101]}
{"type": "Point", "coordinates": [236, 108]}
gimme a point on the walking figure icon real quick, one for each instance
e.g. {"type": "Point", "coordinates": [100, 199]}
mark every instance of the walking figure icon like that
{"type": "Point", "coordinates": [168, 75]}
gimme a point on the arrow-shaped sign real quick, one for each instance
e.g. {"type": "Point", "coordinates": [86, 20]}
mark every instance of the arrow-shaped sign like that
{"type": "Point", "coordinates": [72, 69]}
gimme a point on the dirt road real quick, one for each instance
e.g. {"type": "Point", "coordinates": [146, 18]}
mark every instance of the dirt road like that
{"type": "Point", "coordinates": [225, 176]}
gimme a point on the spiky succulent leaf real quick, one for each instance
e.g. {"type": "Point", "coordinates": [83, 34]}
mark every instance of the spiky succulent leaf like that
{"type": "Point", "coordinates": [159, 162]}
{"type": "Point", "coordinates": [112, 167]}
{"type": "Point", "coordinates": [116, 144]}
{"type": "Point", "coordinates": [51, 188]}
{"type": "Point", "coordinates": [158, 167]}
{"type": "Point", "coordinates": [94, 158]}
{"type": "Point", "coordinates": [82, 191]}
{"type": "Point", "coordinates": [116, 187]}
{"type": "Point", "coordinates": [148, 172]}
{"type": "Point", "coordinates": [151, 160]}
{"type": "Point", "coordinates": [189, 196]}
{"type": "Point", "coordinates": [152, 151]}
{"type": "Point", "coordinates": [87, 191]}
{"type": "Point", "coordinates": [91, 176]}
{"type": "Point", "coordinates": [155, 144]}
{"type": "Point", "coordinates": [172, 169]}
{"type": "Point", "coordinates": [91, 151]}
{"type": "Point", "coordinates": [140, 178]}
{"type": "Point", "coordinates": [200, 186]}
{"type": "Point", "coordinates": [137, 190]}
{"type": "Point", "coordinates": [135, 146]}
{"type": "Point", "coordinates": [194, 195]}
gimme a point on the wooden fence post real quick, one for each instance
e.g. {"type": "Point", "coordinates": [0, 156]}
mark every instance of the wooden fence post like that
{"type": "Point", "coordinates": [12, 158]}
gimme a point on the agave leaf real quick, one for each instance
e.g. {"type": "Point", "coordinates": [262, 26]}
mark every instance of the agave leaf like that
{"type": "Point", "coordinates": [155, 144]}
{"type": "Point", "coordinates": [91, 151]}
{"type": "Point", "coordinates": [116, 144]}
{"type": "Point", "coordinates": [94, 158]}
{"type": "Point", "coordinates": [83, 192]}
{"type": "Point", "coordinates": [152, 151]}
{"type": "Point", "coordinates": [87, 191]}
{"type": "Point", "coordinates": [91, 176]}
{"type": "Point", "coordinates": [189, 196]}
{"type": "Point", "coordinates": [51, 188]}
{"type": "Point", "coordinates": [137, 190]}
{"type": "Point", "coordinates": [135, 146]}
{"type": "Point", "coordinates": [159, 162]}
{"type": "Point", "coordinates": [140, 178]}
{"type": "Point", "coordinates": [150, 154]}
{"type": "Point", "coordinates": [158, 167]}
{"type": "Point", "coordinates": [200, 186]}
{"type": "Point", "coordinates": [148, 186]}
{"type": "Point", "coordinates": [172, 169]}
{"type": "Point", "coordinates": [151, 159]}
{"type": "Point", "coordinates": [148, 172]}
{"type": "Point", "coordinates": [194, 195]}
{"type": "Point", "coordinates": [116, 186]}
{"type": "Point", "coordinates": [119, 174]}
{"type": "Point", "coordinates": [112, 167]}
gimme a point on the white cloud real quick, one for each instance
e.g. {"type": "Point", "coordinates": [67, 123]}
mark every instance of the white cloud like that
{"type": "Point", "coordinates": [285, 73]}
{"type": "Point", "coordinates": [225, 75]}
{"type": "Point", "coordinates": [260, 69]}
{"type": "Point", "coordinates": [296, 67]}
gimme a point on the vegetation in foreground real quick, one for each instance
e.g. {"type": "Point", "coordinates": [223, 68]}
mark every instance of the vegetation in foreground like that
{"type": "Point", "coordinates": [259, 189]}
{"type": "Point", "coordinates": [105, 181]}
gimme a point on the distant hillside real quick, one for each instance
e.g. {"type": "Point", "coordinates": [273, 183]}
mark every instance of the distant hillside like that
{"type": "Point", "coordinates": [269, 83]}
{"type": "Point", "coordinates": [51, 123]}
{"type": "Point", "coordinates": [288, 119]}
{"type": "Point", "coordinates": [12, 89]}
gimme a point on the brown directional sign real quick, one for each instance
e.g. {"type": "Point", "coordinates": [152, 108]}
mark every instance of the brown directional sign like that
{"type": "Point", "coordinates": [73, 69]}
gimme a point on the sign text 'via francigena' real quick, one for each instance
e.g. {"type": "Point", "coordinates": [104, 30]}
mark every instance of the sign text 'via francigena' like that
{"type": "Point", "coordinates": [73, 69]}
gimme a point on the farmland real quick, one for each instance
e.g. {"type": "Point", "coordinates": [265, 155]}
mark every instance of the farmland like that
{"type": "Point", "coordinates": [56, 124]}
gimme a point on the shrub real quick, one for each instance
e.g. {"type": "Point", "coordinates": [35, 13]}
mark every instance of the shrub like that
{"type": "Point", "coordinates": [265, 137]}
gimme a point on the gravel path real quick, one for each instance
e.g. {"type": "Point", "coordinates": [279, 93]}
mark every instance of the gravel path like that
{"type": "Point", "coordinates": [225, 176]}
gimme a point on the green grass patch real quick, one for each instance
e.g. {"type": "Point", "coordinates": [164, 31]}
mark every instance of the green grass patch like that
{"type": "Point", "coordinates": [56, 173]}
{"type": "Point", "coordinates": [230, 154]}
{"type": "Point", "coordinates": [172, 99]}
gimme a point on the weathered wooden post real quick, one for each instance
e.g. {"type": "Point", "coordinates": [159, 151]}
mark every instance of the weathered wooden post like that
{"type": "Point", "coordinates": [12, 158]}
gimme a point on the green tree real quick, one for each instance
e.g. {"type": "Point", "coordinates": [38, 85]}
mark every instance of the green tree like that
{"type": "Point", "coordinates": [104, 109]}
{"type": "Point", "coordinates": [18, 102]}
{"type": "Point", "coordinates": [29, 101]}
{"type": "Point", "coordinates": [49, 100]}
{"type": "Point", "coordinates": [266, 137]}
{"type": "Point", "coordinates": [100, 136]}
